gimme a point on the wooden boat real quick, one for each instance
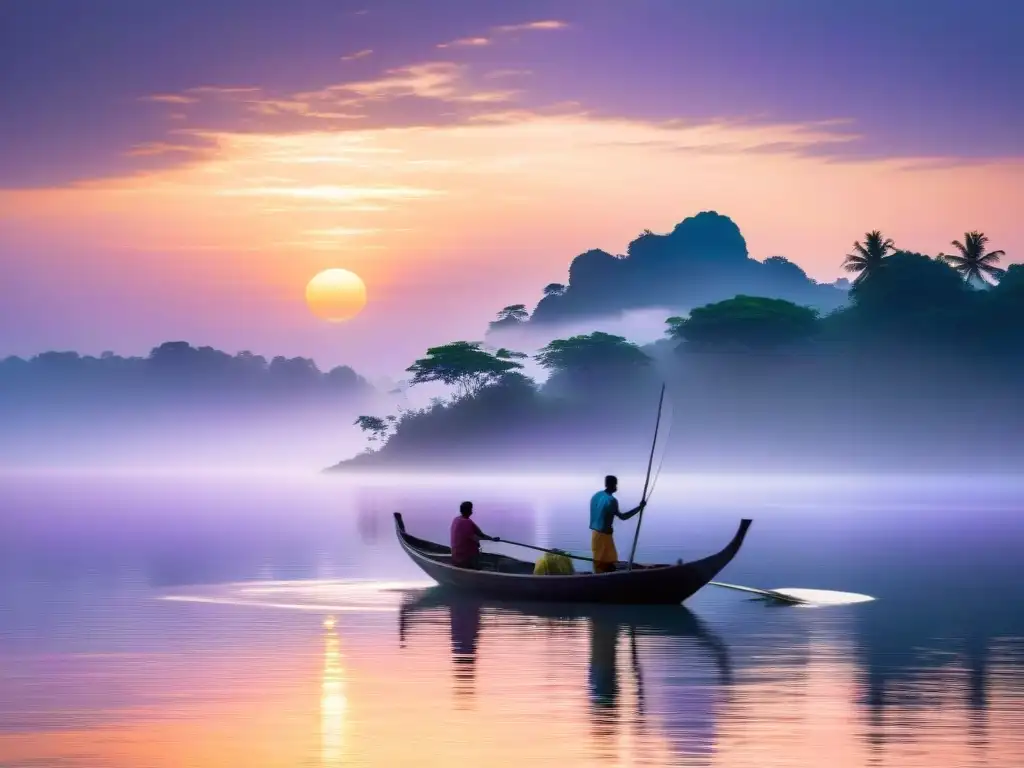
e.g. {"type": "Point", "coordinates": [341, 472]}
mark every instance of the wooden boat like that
{"type": "Point", "coordinates": [505, 578]}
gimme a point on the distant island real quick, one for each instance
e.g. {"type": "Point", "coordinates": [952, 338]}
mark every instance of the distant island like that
{"type": "Point", "coordinates": [916, 366]}
{"type": "Point", "coordinates": [702, 260]}
{"type": "Point", "coordinates": [178, 403]}
{"type": "Point", "coordinates": [174, 372]}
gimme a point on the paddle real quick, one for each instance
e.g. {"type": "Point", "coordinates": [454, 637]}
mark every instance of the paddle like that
{"type": "Point", "coordinates": [561, 552]}
{"type": "Point", "coordinates": [650, 463]}
{"type": "Point", "coordinates": [549, 551]}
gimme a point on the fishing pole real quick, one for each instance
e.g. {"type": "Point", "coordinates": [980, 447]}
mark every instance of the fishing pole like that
{"type": "Point", "coordinates": [650, 464]}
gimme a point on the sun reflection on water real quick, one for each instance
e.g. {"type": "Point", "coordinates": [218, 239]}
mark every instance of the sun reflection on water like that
{"type": "Point", "coordinates": [333, 701]}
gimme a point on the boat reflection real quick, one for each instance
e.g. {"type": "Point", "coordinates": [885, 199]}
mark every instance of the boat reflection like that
{"type": "Point", "coordinates": [677, 708]}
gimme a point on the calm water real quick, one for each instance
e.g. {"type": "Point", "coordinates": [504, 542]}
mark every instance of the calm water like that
{"type": "Point", "coordinates": [185, 622]}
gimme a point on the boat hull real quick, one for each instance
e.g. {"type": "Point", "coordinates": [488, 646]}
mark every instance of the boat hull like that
{"type": "Point", "coordinates": [644, 585]}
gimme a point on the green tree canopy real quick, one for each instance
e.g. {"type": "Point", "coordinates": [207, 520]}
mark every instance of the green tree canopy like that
{"type": "Point", "coordinates": [511, 316]}
{"type": "Point", "coordinates": [554, 289]}
{"type": "Point", "coordinates": [513, 313]}
{"type": "Point", "coordinates": [375, 427]}
{"type": "Point", "coordinates": [593, 352]}
{"type": "Point", "coordinates": [746, 322]}
{"type": "Point", "coordinates": [1011, 287]}
{"type": "Point", "coordinates": [909, 283]}
{"type": "Point", "coordinates": [1004, 323]}
{"type": "Point", "coordinates": [510, 354]}
{"type": "Point", "coordinates": [462, 365]}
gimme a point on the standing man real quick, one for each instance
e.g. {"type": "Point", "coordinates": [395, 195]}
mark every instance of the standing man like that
{"type": "Point", "coordinates": [466, 537]}
{"type": "Point", "coordinates": [604, 508]}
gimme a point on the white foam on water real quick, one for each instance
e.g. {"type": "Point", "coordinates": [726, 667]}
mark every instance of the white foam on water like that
{"type": "Point", "coordinates": [819, 598]}
{"type": "Point", "coordinates": [307, 595]}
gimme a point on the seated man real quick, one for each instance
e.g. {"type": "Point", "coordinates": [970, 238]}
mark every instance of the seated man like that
{"type": "Point", "coordinates": [466, 537]}
{"type": "Point", "coordinates": [604, 508]}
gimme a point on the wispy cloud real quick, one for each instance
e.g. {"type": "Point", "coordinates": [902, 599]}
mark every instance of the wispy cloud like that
{"type": "Point", "coordinates": [274, 107]}
{"type": "Point", "coordinates": [478, 41]}
{"type": "Point", "coordinates": [530, 26]}
{"type": "Point", "coordinates": [169, 98]}
{"type": "Point", "coordinates": [440, 81]}
{"type": "Point", "coordinates": [358, 55]}
{"type": "Point", "coordinates": [341, 232]}
{"type": "Point", "coordinates": [499, 73]}
{"type": "Point", "coordinates": [219, 90]}
{"type": "Point", "coordinates": [466, 42]}
{"type": "Point", "coordinates": [153, 148]}
{"type": "Point", "coordinates": [333, 192]}
{"type": "Point", "coordinates": [425, 94]}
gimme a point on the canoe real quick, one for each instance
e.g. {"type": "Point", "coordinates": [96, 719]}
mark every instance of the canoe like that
{"type": "Point", "coordinates": [505, 578]}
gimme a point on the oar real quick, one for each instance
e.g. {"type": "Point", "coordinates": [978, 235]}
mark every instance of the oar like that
{"type": "Point", "coordinates": [650, 463]}
{"type": "Point", "coordinates": [549, 551]}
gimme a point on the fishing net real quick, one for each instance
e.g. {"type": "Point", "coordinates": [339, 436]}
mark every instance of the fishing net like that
{"type": "Point", "coordinates": [550, 564]}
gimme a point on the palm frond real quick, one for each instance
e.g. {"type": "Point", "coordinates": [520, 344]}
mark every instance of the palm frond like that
{"type": "Point", "coordinates": [988, 269]}
{"type": "Point", "coordinates": [991, 257]}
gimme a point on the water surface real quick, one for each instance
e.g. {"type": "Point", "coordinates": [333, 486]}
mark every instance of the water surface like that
{"type": "Point", "coordinates": [274, 622]}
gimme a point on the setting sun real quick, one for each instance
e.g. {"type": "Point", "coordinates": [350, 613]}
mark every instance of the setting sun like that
{"type": "Point", "coordinates": [336, 295]}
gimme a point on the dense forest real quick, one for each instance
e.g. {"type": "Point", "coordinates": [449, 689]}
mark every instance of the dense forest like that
{"type": "Point", "coordinates": [919, 368]}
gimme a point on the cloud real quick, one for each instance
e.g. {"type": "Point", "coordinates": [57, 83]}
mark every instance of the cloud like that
{"type": "Point", "coordinates": [342, 232]}
{"type": "Point", "coordinates": [151, 148]}
{"type": "Point", "coordinates": [169, 98]}
{"type": "Point", "coordinates": [480, 41]}
{"type": "Point", "coordinates": [429, 93]}
{"type": "Point", "coordinates": [471, 42]}
{"type": "Point", "coordinates": [358, 55]}
{"type": "Point", "coordinates": [218, 90]}
{"type": "Point", "coordinates": [499, 73]}
{"type": "Point", "coordinates": [440, 81]}
{"type": "Point", "coordinates": [277, 107]}
{"type": "Point", "coordinates": [530, 26]}
{"type": "Point", "coordinates": [333, 192]}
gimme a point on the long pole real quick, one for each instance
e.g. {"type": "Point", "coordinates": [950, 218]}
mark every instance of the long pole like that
{"type": "Point", "coordinates": [650, 463]}
{"type": "Point", "coordinates": [549, 551]}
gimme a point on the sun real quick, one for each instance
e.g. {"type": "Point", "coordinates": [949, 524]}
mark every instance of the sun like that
{"type": "Point", "coordinates": [336, 295]}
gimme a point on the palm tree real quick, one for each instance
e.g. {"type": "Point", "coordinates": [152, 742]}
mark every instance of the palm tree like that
{"type": "Point", "coordinates": [973, 264]}
{"type": "Point", "coordinates": [868, 256]}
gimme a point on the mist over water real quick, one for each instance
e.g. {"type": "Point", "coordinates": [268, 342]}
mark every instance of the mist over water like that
{"type": "Point", "coordinates": [272, 619]}
{"type": "Point", "coordinates": [250, 440]}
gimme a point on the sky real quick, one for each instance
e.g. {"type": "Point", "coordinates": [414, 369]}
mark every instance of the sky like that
{"type": "Point", "coordinates": [179, 171]}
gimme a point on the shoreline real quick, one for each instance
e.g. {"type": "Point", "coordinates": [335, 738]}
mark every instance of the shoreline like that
{"type": "Point", "coordinates": [457, 468]}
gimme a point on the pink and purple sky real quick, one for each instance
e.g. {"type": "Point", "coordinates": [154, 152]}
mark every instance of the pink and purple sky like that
{"type": "Point", "coordinates": [180, 170]}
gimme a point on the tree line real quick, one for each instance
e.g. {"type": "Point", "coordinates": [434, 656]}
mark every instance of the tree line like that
{"type": "Point", "coordinates": [955, 316]}
{"type": "Point", "coordinates": [172, 370]}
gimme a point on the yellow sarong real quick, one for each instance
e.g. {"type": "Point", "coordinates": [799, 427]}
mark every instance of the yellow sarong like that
{"type": "Point", "coordinates": [605, 554]}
